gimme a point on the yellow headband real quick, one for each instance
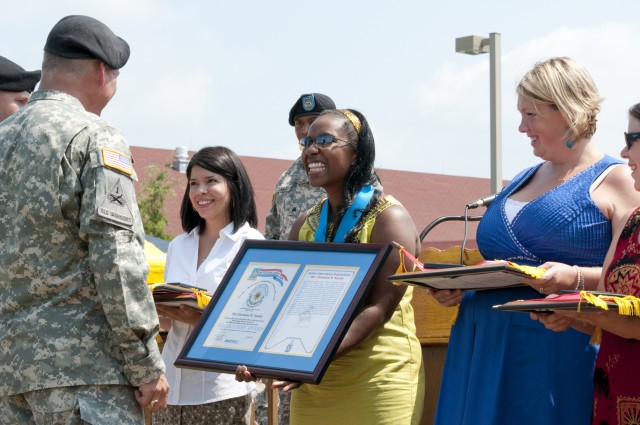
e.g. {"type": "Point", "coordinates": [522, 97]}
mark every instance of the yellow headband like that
{"type": "Point", "coordinates": [352, 119]}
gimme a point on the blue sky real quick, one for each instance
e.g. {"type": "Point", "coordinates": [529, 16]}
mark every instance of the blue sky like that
{"type": "Point", "coordinates": [227, 72]}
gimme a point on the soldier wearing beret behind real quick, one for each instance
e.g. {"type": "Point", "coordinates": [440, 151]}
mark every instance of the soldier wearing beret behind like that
{"type": "Point", "coordinates": [16, 84]}
{"type": "Point", "coordinates": [78, 327]}
{"type": "Point", "coordinates": [293, 194]}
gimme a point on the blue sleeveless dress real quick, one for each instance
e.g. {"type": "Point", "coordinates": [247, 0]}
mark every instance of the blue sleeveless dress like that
{"type": "Point", "coordinates": [504, 368]}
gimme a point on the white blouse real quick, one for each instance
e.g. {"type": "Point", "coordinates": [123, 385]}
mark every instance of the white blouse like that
{"type": "Point", "coordinates": [187, 386]}
{"type": "Point", "coordinates": [512, 208]}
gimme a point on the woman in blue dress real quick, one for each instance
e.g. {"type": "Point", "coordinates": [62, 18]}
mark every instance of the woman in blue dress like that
{"type": "Point", "coordinates": [504, 368]}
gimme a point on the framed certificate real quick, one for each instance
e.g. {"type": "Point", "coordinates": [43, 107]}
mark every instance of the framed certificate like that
{"type": "Point", "coordinates": [283, 308]}
{"type": "Point", "coordinates": [567, 300]}
{"type": "Point", "coordinates": [491, 275]}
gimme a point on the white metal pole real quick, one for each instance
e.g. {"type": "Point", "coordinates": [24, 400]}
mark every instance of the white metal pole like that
{"type": "Point", "coordinates": [496, 111]}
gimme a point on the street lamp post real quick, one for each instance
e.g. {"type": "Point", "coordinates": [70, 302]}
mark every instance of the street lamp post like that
{"type": "Point", "coordinates": [476, 45]}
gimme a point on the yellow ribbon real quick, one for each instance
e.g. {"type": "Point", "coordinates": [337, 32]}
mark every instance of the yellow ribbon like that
{"type": "Point", "coordinates": [628, 305]}
{"type": "Point", "coordinates": [531, 271]}
{"type": "Point", "coordinates": [203, 299]}
{"type": "Point", "coordinates": [353, 119]}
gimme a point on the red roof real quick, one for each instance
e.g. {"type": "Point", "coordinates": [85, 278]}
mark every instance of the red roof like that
{"type": "Point", "coordinates": [426, 196]}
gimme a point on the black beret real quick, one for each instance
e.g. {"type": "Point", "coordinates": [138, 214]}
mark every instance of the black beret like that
{"type": "Point", "coordinates": [310, 104]}
{"type": "Point", "coordinates": [82, 37]}
{"type": "Point", "coordinates": [14, 78]}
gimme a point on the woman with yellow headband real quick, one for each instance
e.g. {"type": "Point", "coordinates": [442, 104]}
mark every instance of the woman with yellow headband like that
{"type": "Point", "coordinates": [376, 376]}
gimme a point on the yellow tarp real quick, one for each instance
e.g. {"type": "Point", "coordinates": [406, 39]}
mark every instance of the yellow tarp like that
{"type": "Point", "coordinates": [156, 259]}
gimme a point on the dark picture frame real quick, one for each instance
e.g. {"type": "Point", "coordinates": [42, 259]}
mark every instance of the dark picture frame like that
{"type": "Point", "coordinates": [567, 300]}
{"type": "Point", "coordinates": [283, 308]}
{"type": "Point", "coordinates": [477, 278]}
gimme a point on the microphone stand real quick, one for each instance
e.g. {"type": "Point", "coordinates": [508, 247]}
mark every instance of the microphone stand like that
{"type": "Point", "coordinates": [464, 238]}
{"type": "Point", "coordinates": [465, 218]}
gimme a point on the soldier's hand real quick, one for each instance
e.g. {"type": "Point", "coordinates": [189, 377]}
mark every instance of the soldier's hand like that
{"type": "Point", "coordinates": [153, 395]}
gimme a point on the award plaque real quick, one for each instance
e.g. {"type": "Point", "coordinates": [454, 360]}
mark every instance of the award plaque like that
{"type": "Point", "coordinates": [283, 308]}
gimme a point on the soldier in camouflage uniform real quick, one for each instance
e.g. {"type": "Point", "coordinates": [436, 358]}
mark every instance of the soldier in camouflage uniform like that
{"type": "Point", "coordinates": [15, 86]}
{"type": "Point", "coordinates": [294, 195]}
{"type": "Point", "coordinates": [78, 327]}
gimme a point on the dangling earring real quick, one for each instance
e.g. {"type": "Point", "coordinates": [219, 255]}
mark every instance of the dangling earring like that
{"type": "Point", "coordinates": [570, 144]}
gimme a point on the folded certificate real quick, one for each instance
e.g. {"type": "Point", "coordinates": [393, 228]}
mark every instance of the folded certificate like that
{"type": "Point", "coordinates": [576, 301]}
{"type": "Point", "coordinates": [174, 294]}
{"type": "Point", "coordinates": [486, 275]}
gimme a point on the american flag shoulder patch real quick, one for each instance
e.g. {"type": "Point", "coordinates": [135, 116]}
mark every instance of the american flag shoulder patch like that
{"type": "Point", "coordinates": [117, 160]}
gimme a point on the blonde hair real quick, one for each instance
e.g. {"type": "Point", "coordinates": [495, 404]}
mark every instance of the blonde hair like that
{"type": "Point", "coordinates": [565, 85]}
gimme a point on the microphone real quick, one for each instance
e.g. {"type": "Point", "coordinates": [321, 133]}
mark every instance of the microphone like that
{"type": "Point", "coordinates": [484, 202]}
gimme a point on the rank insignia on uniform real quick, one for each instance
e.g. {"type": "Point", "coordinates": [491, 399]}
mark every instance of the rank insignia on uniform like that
{"type": "Point", "coordinates": [115, 207]}
{"type": "Point", "coordinates": [117, 160]}
{"type": "Point", "coordinates": [308, 102]}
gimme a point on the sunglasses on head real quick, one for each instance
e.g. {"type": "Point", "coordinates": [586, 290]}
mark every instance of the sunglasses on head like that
{"type": "Point", "coordinates": [322, 141]}
{"type": "Point", "coordinates": [629, 138]}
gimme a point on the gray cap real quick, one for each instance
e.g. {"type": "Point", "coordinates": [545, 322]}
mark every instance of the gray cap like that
{"type": "Point", "coordinates": [14, 78]}
{"type": "Point", "coordinates": [310, 104]}
{"type": "Point", "coordinates": [82, 37]}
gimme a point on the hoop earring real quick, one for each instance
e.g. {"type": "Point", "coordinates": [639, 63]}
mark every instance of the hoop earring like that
{"type": "Point", "coordinates": [570, 144]}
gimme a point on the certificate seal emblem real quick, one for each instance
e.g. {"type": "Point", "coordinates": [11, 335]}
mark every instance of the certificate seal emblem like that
{"type": "Point", "coordinates": [257, 294]}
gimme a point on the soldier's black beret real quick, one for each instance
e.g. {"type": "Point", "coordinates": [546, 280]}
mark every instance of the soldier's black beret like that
{"type": "Point", "coordinates": [83, 37]}
{"type": "Point", "coordinates": [310, 104]}
{"type": "Point", "coordinates": [14, 78]}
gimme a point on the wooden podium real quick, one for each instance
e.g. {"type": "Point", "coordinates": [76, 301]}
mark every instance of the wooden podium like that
{"type": "Point", "coordinates": [433, 325]}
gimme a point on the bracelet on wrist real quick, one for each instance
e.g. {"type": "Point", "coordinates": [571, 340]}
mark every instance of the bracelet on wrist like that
{"type": "Point", "coordinates": [579, 278]}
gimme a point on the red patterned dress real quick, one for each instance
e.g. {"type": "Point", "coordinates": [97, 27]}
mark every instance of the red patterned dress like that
{"type": "Point", "coordinates": [617, 373]}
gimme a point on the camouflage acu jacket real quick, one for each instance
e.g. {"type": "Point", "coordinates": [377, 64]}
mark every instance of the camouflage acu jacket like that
{"type": "Point", "coordinates": [293, 196]}
{"type": "Point", "coordinates": [74, 305]}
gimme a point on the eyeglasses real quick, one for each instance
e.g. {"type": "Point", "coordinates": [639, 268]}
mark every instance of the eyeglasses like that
{"type": "Point", "coordinates": [322, 141]}
{"type": "Point", "coordinates": [630, 138]}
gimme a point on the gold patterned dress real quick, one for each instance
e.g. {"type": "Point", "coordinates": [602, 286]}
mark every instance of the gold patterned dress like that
{"type": "Point", "coordinates": [381, 381]}
{"type": "Point", "coordinates": [617, 375]}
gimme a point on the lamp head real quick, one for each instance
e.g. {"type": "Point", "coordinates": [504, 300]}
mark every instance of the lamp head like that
{"type": "Point", "coordinates": [472, 45]}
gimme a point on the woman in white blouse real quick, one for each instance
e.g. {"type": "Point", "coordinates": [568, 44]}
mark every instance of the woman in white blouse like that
{"type": "Point", "coordinates": [218, 213]}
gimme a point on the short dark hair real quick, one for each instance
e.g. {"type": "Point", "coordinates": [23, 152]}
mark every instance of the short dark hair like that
{"type": "Point", "coordinates": [634, 111]}
{"type": "Point", "coordinates": [223, 161]}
